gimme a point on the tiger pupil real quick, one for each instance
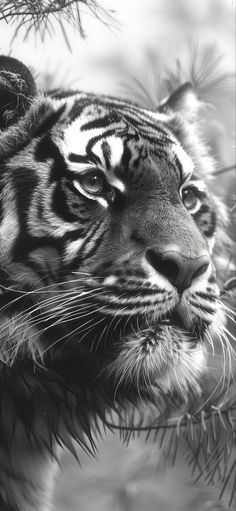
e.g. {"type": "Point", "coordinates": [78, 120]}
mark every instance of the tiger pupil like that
{"type": "Point", "coordinates": [93, 180]}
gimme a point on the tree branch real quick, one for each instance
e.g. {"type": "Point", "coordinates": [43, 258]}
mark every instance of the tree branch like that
{"type": "Point", "coordinates": [37, 15]}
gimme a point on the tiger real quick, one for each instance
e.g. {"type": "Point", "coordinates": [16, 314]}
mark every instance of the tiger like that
{"type": "Point", "coordinates": [108, 288]}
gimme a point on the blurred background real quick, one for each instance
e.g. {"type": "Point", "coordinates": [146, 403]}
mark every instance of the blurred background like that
{"type": "Point", "coordinates": [137, 44]}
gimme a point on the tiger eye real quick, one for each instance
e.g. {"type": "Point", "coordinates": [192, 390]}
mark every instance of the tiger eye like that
{"type": "Point", "coordinates": [93, 182]}
{"type": "Point", "coordinates": [189, 198]}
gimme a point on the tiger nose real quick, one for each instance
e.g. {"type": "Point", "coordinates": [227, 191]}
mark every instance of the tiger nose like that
{"type": "Point", "coordinates": [176, 267]}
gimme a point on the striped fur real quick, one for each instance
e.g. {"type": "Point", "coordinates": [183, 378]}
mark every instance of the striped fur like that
{"type": "Point", "coordinates": [89, 185]}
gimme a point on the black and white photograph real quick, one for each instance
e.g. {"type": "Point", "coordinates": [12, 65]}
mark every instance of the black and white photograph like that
{"type": "Point", "coordinates": [117, 255]}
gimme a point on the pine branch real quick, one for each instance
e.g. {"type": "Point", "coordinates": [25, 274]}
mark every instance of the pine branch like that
{"type": "Point", "coordinates": [207, 437]}
{"type": "Point", "coordinates": [39, 16]}
{"type": "Point", "coordinates": [202, 67]}
{"type": "Point", "coordinates": [224, 170]}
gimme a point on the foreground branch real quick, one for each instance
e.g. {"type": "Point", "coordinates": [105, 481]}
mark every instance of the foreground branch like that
{"type": "Point", "coordinates": [39, 16]}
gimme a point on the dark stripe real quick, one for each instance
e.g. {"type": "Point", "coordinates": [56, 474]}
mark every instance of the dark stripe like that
{"type": "Point", "coordinates": [145, 123]}
{"type": "Point", "coordinates": [25, 181]}
{"type": "Point", "coordinates": [26, 243]}
{"type": "Point", "coordinates": [101, 122]}
{"type": "Point", "coordinates": [156, 141]}
{"type": "Point", "coordinates": [78, 107]}
{"type": "Point", "coordinates": [48, 149]}
{"type": "Point", "coordinates": [97, 241]}
{"type": "Point", "coordinates": [212, 279]}
{"type": "Point", "coordinates": [94, 140]}
{"type": "Point", "coordinates": [200, 195]}
{"type": "Point", "coordinates": [203, 209]}
{"type": "Point", "coordinates": [60, 205]}
{"type": "Point", "coordinates": [207, 227]}
{"type": "Point", "coordinates": [201, 307]}
{"type": "Point", "coordinates": [161, 153]}
{"type": "Point", "coordinates": [15, 301]}
{"type": "Point", "coordinates": [212, 227]}
{"type": "Point", "coordinates": [106, 151]}
{"type": "Point", "coordinates": [95, 247]}
{"type": "Point", "coordinates": [210, 298]}
{"type": "Point", "coordinates": [60, 93]}
{"type": "Point", "coordinates": [79, 158]}
{"type": "Point", "coordinates": [1, 202]}
{"type": "Point", "coordinates": [77, 233]}
{"type": "Point", "coordinates": [79, 258]}
{"type": "Point", "coordinates": [50, 121]}
{"type": "Point", "coordinates": [126, 156]}
{"type": "Point", "coordinates": [179, 167]}
{"type": "Point", "coordinates": [141, 156]}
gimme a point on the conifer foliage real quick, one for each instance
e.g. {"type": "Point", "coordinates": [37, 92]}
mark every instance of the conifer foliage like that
{"type": "Point", "coordinates": [41, 16]}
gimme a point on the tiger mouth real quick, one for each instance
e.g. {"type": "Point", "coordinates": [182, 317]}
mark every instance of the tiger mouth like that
{"type": "Point", "coordinates": [181, 321]}
{"type": "Point", "coordinates": [175, 322]}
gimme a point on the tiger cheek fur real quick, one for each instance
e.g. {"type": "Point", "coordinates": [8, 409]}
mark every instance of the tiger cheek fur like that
{"type": "Point", "coordinates": [108, 285]}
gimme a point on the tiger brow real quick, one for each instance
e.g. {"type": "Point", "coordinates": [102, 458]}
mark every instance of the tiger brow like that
{"type": "Point", "coordinates": [183, 163]}
{"type": "Point", "coordinates": [83, 158]}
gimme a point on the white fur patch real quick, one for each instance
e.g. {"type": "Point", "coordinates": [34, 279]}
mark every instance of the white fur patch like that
{"type": "Point", "coordinates": [185, 160]}
{"type": "Point", "coordinates": [117, 149]}
{"type": "Point", "coordinates": [185, 372]}
{"type": "Point", "coordinates": [102, 201]}
{"type": "Point", "coordinates": [116, 183]}
{"type": "Point", "coordinates": [10, 226]}
{"type": "Point", "coordinates": [72, 249]}
{"type": "Point", "coordinates": [110, 281]}
{"type": "Point", "coordinates": [79, 167]}
{"type": "Point", "coordinates": [8, 231]}
{"type": "Point", "coordinates": [75, 140]}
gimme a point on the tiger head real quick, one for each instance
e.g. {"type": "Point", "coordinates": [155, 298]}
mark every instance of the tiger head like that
{"type": "Point", "coordinates": [106, 237]}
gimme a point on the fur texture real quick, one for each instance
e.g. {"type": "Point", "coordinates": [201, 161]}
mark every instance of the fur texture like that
{"type": "Point", "coordinates": [108, 285]}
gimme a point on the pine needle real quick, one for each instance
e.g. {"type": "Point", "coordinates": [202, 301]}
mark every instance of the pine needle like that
{"type": "Point", "coordinates": [201, 66]}
{"type": "Point", "coordinates": [39, 16]}
{"type": "Point", "coordinates": [224, 170]}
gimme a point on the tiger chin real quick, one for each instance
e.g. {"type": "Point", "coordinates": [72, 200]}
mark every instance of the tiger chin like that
{"type": "Point", "coordinates": [108, 284]}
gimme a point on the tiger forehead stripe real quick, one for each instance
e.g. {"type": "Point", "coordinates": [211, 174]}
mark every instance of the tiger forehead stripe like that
{"type": "Point", "coordinates": [186, 162]}
{"type": "Point", "coordinates": [76, 136]}
{"type": "Point", "coordinates": [110, 152]}
{"type": "Point", "coordinates": [113, 147]}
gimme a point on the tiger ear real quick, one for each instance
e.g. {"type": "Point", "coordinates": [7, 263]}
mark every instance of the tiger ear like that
{"type": "Point", "coordinates": [181, 111]}
{"type": "Point", "coordinates": [182, 101]}
{"type": "Point", "coordinates": [17, 88]}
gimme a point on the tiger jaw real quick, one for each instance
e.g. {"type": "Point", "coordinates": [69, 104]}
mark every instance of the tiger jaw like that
{"type": "Point", "coordinates": [168, 355]}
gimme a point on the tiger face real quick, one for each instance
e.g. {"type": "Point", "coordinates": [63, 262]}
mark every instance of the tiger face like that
{"type": "Point", "coordinates": [107, 234]}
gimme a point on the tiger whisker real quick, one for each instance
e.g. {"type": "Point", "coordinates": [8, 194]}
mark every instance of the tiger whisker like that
{"type": "Point", "coordinates": [28, 327]}
{"type": "Point", "coordinates": [229, 313]}
{"type": "Point", "coordinates": [49, 301]}
{"type": "Point", "coordinates": [59, 301]}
